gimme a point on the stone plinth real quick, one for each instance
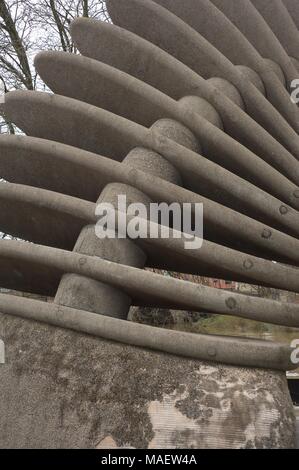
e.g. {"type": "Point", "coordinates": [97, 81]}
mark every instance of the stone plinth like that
{"type": "Point", "coordinates": [60, 389]}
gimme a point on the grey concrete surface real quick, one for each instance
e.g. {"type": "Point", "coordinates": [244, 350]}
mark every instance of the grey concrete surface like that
{"type": "Point", "coordinates": [159, 69]}
{"type": "Point", "coordinates": [238, 159]}
{"type": "Point", "coordinates": [251, 23]}
{"type": "Point", "coordinates": [160, 26]}
{"type": "Point", "coordinates": [244, 52]}
{"type": "Point", "coordinates": [229, 350]}
{"type": "Point", "coordinates": [210, 260]}
{"type": "Point", "coordinates": [61, 389]}
{"type": "Point", "coordinates": [212, 124]}
{"type": "Point", "coordinates": [93, 296]}
{"type": "Point", "coordinates": [278, 18]}
{"type": "Point", "coordinates": [293, 9]}
{"type": "Point", "coordinates": [114, 136]}
{"type": "Point", "coordinates": [40, 215]}
{"type": "Point", "coordinates": [248, 233]}
{"type": "Point", "coordinates": [144, 287]}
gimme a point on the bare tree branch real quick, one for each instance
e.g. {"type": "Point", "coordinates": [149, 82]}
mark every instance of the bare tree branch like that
{"type": "Point", "coordinates": [17, 44]}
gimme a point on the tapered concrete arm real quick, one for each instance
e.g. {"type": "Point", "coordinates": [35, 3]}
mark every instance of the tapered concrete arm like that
{"type": "Point", "coordinates": [229, 350]}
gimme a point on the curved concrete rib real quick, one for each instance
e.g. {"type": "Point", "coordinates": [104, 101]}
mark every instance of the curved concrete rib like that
{"type": "Point", "coordinates": [166, 30]}
{"type": "Point", "coordinates": [230, 350]}
{"type": "Point", "coordinates": [250, 22]}
{"type": "Point", "coordinates": [85, 79]}
{"type": "Point", "coordinates": [152, 65]}
{"type": "Point", "coordinates": [115, 137]}
{"type": "Point", "coordinates": [221, 224]}
{"type": "Point", "coordinates": [293, 9]}
{"type": "Point", "coordinates": [206, 19]}
{"type": "Point", "coordinates": [149, 165]}
{"type": "Point", "coordinates": [34, 162]}
{"type": "Point", "coordinates": [36, 214]}
{"type": "Point", "coordinates": [281, 23]}
{"type": "Point", "coordinates": [145, 287]}
{"type": "Point", "coordinates": [48, 218]}
{"type": "Point", "coordinates": [213, 260]}
{"type": "Point", "coordinates": [85, 126]}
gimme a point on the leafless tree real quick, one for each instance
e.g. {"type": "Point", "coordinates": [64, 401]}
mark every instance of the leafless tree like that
{"type": "Point", "coordinates": [28, 26]}
{"type": "Point", "coordinates": [55, 17]}
{"type": "Point", "coordinates": [16, 28]}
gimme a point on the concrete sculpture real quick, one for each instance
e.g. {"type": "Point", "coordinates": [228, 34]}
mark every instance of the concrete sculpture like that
{"type": "Point", "coordinates": [174, 101]}
{"type": "Point", "coordinates": [161, 108]}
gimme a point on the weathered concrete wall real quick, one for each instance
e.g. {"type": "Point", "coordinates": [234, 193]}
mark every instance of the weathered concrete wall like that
{"type": "Point", "coordinates": [61, 389]}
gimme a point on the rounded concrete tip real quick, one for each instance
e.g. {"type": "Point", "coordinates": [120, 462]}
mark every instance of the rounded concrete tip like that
{"type": "Point", "coordinates": [78, 23]}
